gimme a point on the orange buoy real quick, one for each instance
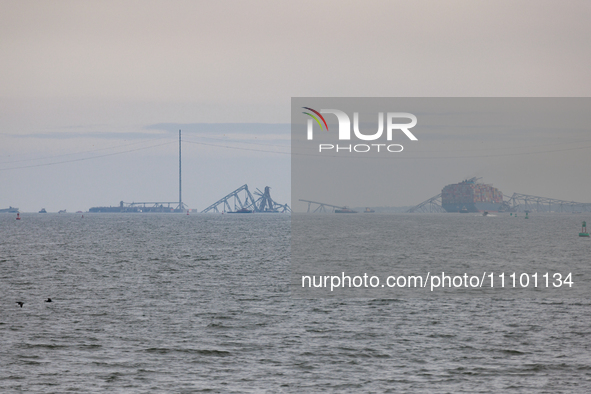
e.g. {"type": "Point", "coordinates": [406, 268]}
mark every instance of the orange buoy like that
{"type": "Point", "coordinates": [18, 216]}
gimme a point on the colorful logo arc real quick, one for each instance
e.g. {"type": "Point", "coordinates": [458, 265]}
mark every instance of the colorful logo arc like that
{"type": "Point", "coordinates": [315, 118]}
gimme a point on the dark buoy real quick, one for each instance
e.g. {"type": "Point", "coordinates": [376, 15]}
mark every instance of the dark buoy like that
{"type": "Point", "coordinates": [526, 215]}
{"type": "Point", "coordinates": [584, 232]}
{"type": "Point", "coordinates": [20, 303]}
{"type": "Point", "coordinates": [18, 217]}
{"type": "Point", "coordinates": [48, 300]}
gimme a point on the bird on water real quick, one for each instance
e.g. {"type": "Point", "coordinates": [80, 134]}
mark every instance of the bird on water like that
{"type": "Point", "coordinates": [48, 300]}
{"type": "Point", "coordinates": [20, 303]}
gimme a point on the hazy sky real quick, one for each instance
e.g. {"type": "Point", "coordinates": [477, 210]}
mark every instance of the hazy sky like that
{"type": "Point", "coordinates": [94, 78]}
{"type": "Point", "coordinates": [536, 146]}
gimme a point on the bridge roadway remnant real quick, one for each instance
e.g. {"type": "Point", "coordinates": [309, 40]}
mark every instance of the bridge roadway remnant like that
{"type": "Point", "coordinates": [322, 206]}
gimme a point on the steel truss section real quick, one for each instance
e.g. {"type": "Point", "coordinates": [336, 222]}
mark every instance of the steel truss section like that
{"type": "Point", "coordinates": [232, 202]}
{"type": "Point", "coordinates": [429, 206]}
{"type": "Point", "coordinates": [322, 206]}
{"type": "Point", "coordinates": [266, 204]}
{"type": "Point", "coordinates": [524, 202]}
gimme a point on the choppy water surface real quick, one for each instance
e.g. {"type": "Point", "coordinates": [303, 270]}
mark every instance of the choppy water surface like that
{"type": "Point", "coordinates": [176, 303]}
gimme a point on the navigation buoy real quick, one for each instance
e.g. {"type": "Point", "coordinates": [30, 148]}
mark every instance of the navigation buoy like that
{"type": "Point", "coordinates": [511, 214]}
{"type": "Point", "coordinates": [18, 216]}
{"type": "Point", "coordinates": [527, 213]}
{"type": "Point", "coordinates": [584, 232]}
{"type": "Point", "coordinates": [187, 213]}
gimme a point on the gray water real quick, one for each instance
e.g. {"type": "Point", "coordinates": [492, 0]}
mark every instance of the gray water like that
{"type": "Point", "coordinates": [201, 303]}
{"type": "Point", "coordinates": [499, 255]}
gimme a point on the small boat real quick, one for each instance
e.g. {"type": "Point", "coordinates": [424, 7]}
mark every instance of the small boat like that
{"type": "Point", "coordinates": [368, 210]}
{"type": "Point", "coordinates": [485, 213]}
{"type": "Point", "coordinates": [42, 210]}
{"type": "Point", "coordinates": [464, 210]}
{"type": "Point", "coordinates": [62, 211]}
{"type": "Point", "coordinates": [344, 210]}
{"type": "Point", "coordinates": [242, 210]}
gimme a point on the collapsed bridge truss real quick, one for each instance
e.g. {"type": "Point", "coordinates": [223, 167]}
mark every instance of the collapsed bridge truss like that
{"type": "Point", "coordinates": [242, 200]}
{"type": "Point", "coordinates": [516, 203]}
{"type": "Point", "coordinates": [524, 202]}
{"type": "Point", "coordinates": [428, 206]}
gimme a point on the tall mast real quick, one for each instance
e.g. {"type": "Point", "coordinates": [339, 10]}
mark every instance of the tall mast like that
{"type": "Point", "coordinates": [180, 178]}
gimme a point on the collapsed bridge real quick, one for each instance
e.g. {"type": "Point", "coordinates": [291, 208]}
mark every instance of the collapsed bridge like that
{"type": "Point", "coordinates": [516, 203]}
{"type": "Point", "coordinates": [524, 202]}
{"type": "Point", "coordinates": [241, 200]}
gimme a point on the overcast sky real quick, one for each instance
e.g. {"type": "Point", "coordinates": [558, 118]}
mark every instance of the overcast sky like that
{"type": "Point", "coordinates": [117, 79]}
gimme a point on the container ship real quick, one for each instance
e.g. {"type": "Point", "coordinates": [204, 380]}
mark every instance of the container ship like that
{"type": "Point", "coordinates": [469, 196]}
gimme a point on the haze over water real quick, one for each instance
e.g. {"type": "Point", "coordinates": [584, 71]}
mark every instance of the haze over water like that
{"type": "Point", "coordinates": [176, 303]}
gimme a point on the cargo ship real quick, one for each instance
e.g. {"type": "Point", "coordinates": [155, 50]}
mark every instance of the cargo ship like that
{"type": "Point", "coordinates": [470, 196]}
{"type": "Point", "coordinates": [139, 207]}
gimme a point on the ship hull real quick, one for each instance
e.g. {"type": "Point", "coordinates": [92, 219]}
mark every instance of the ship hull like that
{"type": "Point", "coordinates": [469, 196]}
{"type": "Point", "coordinates": [473, 207]}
